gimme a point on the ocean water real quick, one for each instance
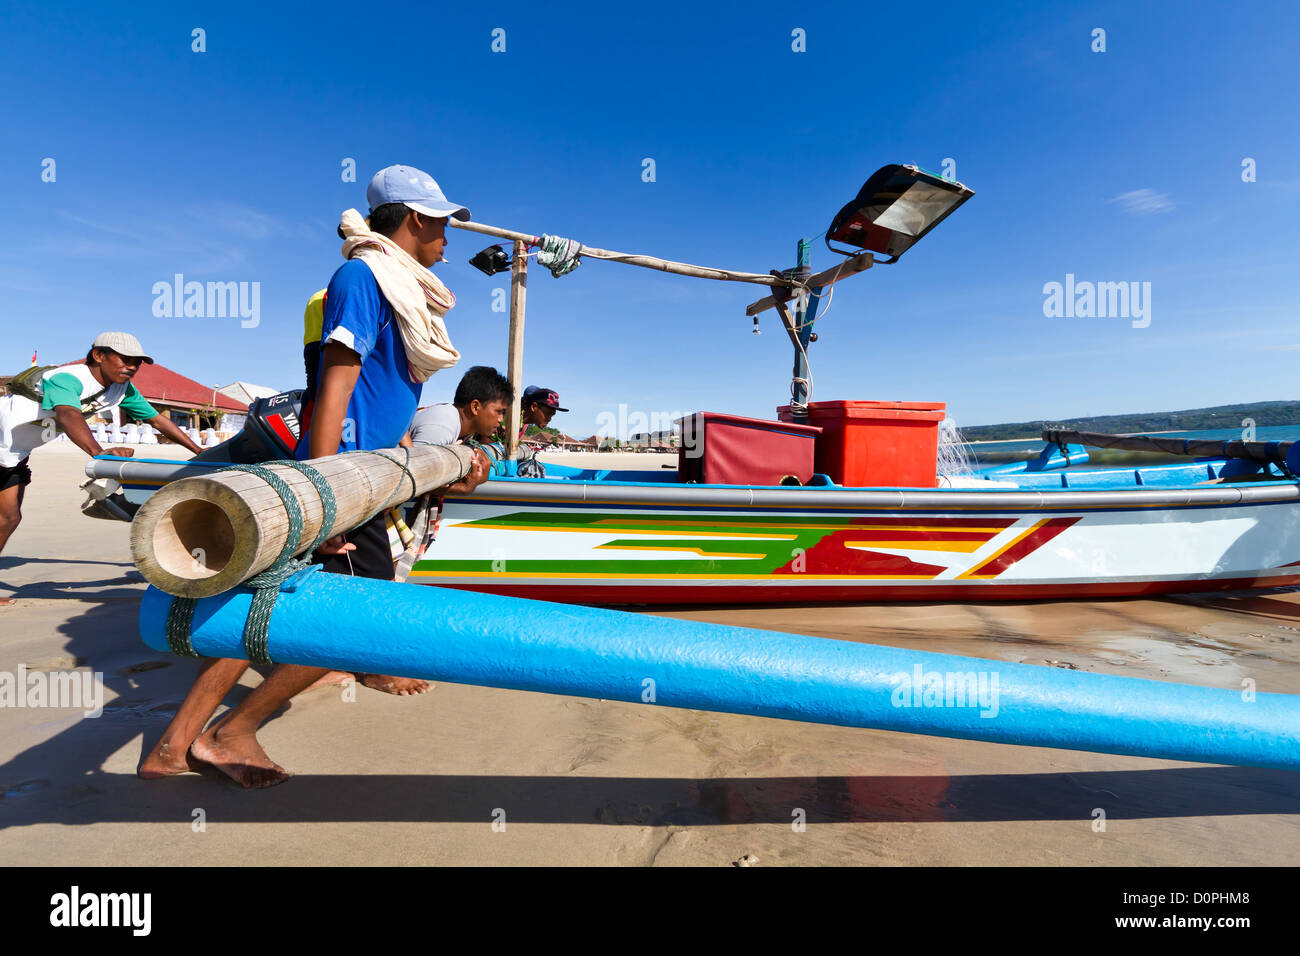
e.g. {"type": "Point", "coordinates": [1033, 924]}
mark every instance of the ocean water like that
{"type": "Point", "coordinates": [1007, 450]}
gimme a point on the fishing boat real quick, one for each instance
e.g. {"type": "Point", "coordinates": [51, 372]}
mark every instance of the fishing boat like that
{"type": "Point", "coordinates": [830, 501]}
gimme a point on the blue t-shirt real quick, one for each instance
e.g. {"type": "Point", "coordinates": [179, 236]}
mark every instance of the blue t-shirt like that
{"type": "Point", "coordinates": [358, 316]}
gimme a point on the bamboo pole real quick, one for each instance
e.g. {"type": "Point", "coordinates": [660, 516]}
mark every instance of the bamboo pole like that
{"type": "Point", "coordinates": [200, 536]}
{"type": "Point", "coordinates": [632, 259]}
{"type": "Point", "coordinates": [515, 349]}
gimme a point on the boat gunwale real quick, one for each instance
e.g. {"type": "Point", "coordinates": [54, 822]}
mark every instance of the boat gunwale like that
{"type": "Point", "coordinates": [661, 494]}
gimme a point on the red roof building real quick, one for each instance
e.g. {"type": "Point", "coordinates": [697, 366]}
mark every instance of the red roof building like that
{"type": "Point", "coordinates": [161, 386]}
{"type": "Point", "coordinates": [179, 398]}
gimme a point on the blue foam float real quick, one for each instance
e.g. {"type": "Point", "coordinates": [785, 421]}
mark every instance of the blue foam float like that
{"type": "Point", "coordinates": [366, 626]}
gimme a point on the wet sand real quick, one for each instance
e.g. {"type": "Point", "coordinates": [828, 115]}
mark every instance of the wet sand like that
{"type": "Point", "coordinates": [383, 780]}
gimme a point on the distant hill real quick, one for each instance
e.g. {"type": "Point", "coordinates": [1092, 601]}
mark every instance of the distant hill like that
{"type": "Point", "coordinates": [1192, 419]}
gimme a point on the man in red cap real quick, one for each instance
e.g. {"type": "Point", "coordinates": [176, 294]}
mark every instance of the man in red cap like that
{"type": "Point", "coordinates": [539, 407]}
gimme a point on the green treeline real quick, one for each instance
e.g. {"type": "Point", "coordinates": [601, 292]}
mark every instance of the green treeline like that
{"type": "Point", "coordinates": [1192, 419]}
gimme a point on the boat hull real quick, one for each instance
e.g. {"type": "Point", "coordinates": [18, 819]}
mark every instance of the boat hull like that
{"type": "Point", "coordinates": [941, 546]}
{"type": "Point", "coordinates": [662, 543]}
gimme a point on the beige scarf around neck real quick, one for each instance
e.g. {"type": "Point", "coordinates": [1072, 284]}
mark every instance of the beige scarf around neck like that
{"type": "Point", "coordinates": [418, 297]}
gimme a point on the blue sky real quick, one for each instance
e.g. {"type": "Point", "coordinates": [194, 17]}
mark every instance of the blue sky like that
{"type": "Point", "coordinates": [1117, 166]}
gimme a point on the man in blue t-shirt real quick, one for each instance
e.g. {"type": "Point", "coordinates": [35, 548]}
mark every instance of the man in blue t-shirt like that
{"type": "Point", "coordinates": [365, 399]}
{"type": "Point", "coordinates": [362, 355]}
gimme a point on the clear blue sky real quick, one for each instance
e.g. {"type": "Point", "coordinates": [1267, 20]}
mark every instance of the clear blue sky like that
{"type": "Point", "coordinates": [225, 165]}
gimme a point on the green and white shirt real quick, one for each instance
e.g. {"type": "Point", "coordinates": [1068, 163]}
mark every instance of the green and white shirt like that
{"type": "Point", "coordinates": [26, 425]}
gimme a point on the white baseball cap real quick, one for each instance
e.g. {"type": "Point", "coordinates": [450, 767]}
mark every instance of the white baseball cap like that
{"type": "Point", "coordinates": [123, 343]}
{"type": "Point", "coordinates": [415, 188]}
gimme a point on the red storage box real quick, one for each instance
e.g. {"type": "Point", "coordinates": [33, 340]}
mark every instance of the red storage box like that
{"type": "Point", "coordinates": [876, 444]}
{"type": "Point", "coordinates": [730, 450]}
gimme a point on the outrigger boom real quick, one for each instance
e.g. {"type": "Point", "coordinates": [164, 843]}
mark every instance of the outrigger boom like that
{"type": "Point", "coordinates": [631, 259]}
{"type": "Point", "coordinates": [896, 207]}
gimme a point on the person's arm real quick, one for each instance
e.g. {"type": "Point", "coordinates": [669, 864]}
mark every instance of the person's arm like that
{"type": "Point", "coordinates": [173, 431]}
{"type": "Point", "coordinates": [69, 420]}
{"type": "Point", "coordinates": [134, 405]}
{"type": "Point", "coordinates": [480, 470]}
{"type": "Point", "coordinates": [340, 368]}
{"type": "Point", "coordinates": [61, 396]}
{"type": "Point", "coordinates": [339, 371]}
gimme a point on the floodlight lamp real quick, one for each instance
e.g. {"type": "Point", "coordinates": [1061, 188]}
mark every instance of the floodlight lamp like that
{"type": "Point", "coordinates": [894, 209]}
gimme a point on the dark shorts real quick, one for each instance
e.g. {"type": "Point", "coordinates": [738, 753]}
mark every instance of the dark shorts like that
{"type": "Point", "coordinates": [17, 476]}
{"type": "Point", "coordinates": [372, 559]}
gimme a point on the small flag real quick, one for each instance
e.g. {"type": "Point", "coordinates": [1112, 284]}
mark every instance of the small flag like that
{"type": "Point", "coordinates": [33, 358]}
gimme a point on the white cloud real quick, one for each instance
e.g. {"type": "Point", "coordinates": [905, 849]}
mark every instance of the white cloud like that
{"type": "Point", "coordinates": [1141, 202]}
{"type": "Point", "coordinates": [200, 237]}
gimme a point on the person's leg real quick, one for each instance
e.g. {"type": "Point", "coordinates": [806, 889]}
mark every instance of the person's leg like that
{"type": "Point", "coordinates": [231, 744]}
{"type": "Point", "coordinates": [13, 484]}
{"type": "Point", "coordinates": [171, 755]}
{"type": "Point", "coordinates": [373, 558]}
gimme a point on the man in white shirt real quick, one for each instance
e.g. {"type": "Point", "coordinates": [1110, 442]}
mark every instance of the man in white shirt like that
{"type": "Point", "coordinates": [60, 402]}
{"type": "Point", "coordinates": [476, 411]}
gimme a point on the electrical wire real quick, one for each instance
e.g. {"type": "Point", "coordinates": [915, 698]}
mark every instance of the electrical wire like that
{"type": "Point", "coordinates": [795, 404]}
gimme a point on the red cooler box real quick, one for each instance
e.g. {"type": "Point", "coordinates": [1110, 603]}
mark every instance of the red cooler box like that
{"type": "Point", "coordinates": [730, 450]}
{"type": "Point", "coordinates": [876, 444]}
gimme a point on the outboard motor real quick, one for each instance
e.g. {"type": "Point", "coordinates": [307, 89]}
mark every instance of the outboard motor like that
{"type": "Point", "coordinates": [270, 433]}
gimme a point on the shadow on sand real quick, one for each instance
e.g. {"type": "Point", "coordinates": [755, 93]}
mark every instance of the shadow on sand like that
{"type": "Point", "coordinates": [60, 781]}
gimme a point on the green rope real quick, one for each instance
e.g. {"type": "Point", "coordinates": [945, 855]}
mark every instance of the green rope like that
{"type": "Point", "coordinates": [291, 506]}
{"type": "Point", "coordinates": [559, 255]}
{"type": "Point", "coordinates": [266, 585]}
{"type": "Point", "coordinates": [180, 618]}
{"type": "Point", "coordinates": [266, 589]}
{"type": "Point", "coordinates": [329, 507]}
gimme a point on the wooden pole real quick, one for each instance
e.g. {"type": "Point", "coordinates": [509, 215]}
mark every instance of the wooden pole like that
{"type": "Point", "coordinates": [200, 536]}
{"type": "Point", "coordinates": [645, 262]}
{"type": "Point", "coordinates": [515, 348]}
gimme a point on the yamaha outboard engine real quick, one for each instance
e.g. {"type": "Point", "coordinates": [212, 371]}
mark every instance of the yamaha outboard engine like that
{"type": "Point", "coordinates": [270, 433]}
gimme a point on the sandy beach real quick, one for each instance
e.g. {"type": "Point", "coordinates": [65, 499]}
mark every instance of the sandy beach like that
{"type": "Point", "coordinates": [385, 780]}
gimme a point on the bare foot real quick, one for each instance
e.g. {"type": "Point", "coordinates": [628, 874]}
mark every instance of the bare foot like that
{"type": "Point", "coordinates": [240, 757]}
{"type": "Point", "coordinates": [6, 602]}
{"type": "Point", "coordinates": [332, 679]}
{"type": "Point", "coordinates": [163, 761]}
{"type": "Point", "coordinates": [401, 686]}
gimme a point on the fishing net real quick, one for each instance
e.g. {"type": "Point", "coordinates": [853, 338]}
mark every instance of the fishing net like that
{"type": "Point", "coordinates": [954, 454]}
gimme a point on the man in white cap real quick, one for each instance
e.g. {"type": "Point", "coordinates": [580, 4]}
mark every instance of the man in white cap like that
{"type": "Point", "coordinates": [46, 402]}
{"type": "Point", "coordinates": [382, 336]}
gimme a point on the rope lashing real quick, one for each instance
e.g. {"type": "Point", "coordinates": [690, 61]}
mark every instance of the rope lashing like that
{"type": "Point", "coordinates": [558, 254]}
{"type": "Point", "coordinates": [180, 619]}
{"type": "Point", "coordinates": [800, 408]}
{"type": "Point", "coordinates": [266, 585]}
